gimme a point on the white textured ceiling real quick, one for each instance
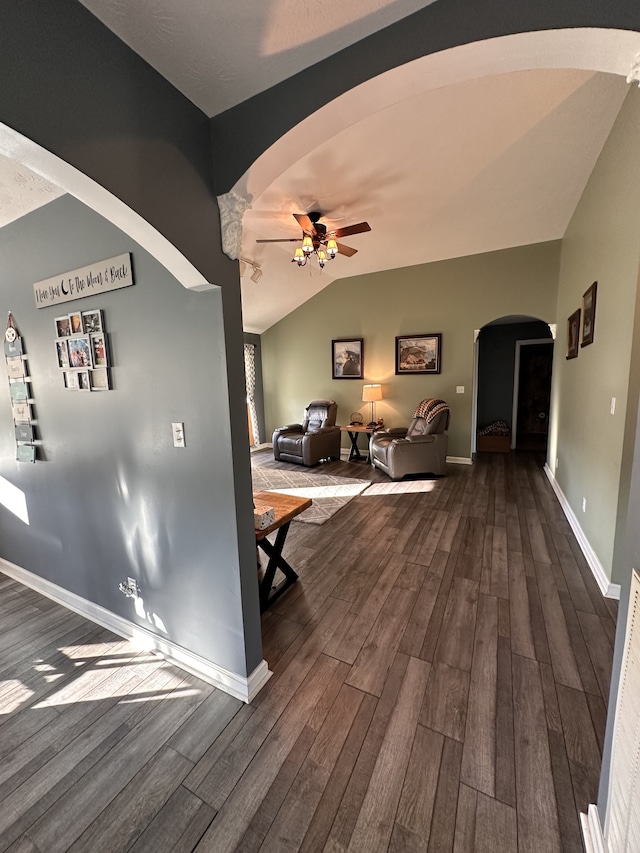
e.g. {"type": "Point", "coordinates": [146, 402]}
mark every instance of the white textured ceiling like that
{"type": "Point", "coordinates": [444, 157]}
{"type": "Point", "coordinates": [22, 191]}
{"type": "Point", "coordinates": [488, 164]}
{"type": "Point", "coordinates": [222, 52]}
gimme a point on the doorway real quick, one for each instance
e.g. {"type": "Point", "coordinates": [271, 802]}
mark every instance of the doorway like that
{"type": "Point", "coordinates": [532, 395]}
{"type": "Point", "coordinates": [497, 377]}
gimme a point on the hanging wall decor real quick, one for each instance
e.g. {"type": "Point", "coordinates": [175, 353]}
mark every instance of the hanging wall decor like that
{"type": "Point", "coordinates": [19, 393]}
{"type": "Point", "coordinates": [99, 277]}
{"type": "Point", "coordinates": [82, 351]}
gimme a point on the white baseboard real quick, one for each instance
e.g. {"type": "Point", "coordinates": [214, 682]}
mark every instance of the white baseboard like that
{"type": "Point", "coordinates": [592, 831]}
{"type": "Point", "coordinates": [460, 460]}
{"type": "Point", "coordinates": [608, 589]}
{"type": "Point", "coordinates": [242, 687]}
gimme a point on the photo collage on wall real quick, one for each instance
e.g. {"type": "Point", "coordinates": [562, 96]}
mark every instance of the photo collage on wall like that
{"type": "Point", "coordinates": [19, 393]}
{"type": "Point", "coordinates": [82, 351]}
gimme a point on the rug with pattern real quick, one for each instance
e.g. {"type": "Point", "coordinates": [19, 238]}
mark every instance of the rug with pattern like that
{"type": "Point", "coordinates": [328, 493]}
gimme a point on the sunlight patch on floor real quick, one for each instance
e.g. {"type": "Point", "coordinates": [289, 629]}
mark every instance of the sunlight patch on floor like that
{"type": "Point", "coordinates": [334, 491]}
{"type": "Point", "coordinates": [400, 488]}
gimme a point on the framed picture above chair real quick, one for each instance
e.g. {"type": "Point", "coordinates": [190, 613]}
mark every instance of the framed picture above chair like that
{"type": "Point", "coordinates": [346, 358]}
{"type": "Point", "coordinates": [418, 353]}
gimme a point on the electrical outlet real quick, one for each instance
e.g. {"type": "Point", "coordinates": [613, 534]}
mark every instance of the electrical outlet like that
{"type": "Point", "coordinates": [178, 435]}
{"type": "Point", "coordinates": [459, 389]}
{"type": "Point", "coordinates": [584, 504]}
{"type": "Point", "coordinates": [130, 589]}
{"type": "Point", "coordinates": [613, 405]}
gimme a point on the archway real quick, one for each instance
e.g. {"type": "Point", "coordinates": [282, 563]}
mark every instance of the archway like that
{"type": "Point", "coordinates": [513, 384]}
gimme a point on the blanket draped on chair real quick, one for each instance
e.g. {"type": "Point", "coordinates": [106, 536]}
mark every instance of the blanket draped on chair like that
{"type": "Point", "coordinates": [430, 409]}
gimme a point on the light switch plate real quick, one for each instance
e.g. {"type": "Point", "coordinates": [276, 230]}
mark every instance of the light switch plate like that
{"type": "Point", "coordinates": [459, 389]}
{"type": "Point", "coordinates": [178, 435]}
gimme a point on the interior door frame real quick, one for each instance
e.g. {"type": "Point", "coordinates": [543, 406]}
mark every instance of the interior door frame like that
{"type": "Point", "coordinates": [516, 382]}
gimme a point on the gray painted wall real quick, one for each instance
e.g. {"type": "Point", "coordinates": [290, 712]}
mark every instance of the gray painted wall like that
{"type": "Point", "coordinates": [496, 364]}
{"type": "Point", "coordinates": [73, 87]}
{"type": "Point", "coordinates": [112, 497]}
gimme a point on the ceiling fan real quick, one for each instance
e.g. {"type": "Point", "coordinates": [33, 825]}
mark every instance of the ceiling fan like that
{"type": "Point", "coordinates": [317, 240]}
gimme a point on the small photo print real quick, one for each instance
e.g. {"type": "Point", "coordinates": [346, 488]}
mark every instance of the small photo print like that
{"type": "Point", "coordinates": [79, 352]}
{"type": "Point", "coordinates": [70, 380]}
{"type": "Point", "coordinates": [12, 349]}
{"type": "Point", "coordinates": [62, 353]}
{"type": "Point", "coordinates": [63, 326]}
{"type": "Point", "coordinates": [21, 412]}
{"type": "Point", "coordinates": [83, 380]}
{"type": "Point", "coordinates": [75, 323]}
{"type": "Point", "coordinates": [24, 432]}
{"type": "Point", "coordinates": [15, 368]}
{"type": "Point", "coordinates": [18, 391]}
{"type": "Point", "coordinates": [99, 379]}
{"type": "Point", "coordinates": [92, 321]}
{"type": "Point", "coordinates": [25, 453]}
{"type": "Point", "coordinates": [99, 350]}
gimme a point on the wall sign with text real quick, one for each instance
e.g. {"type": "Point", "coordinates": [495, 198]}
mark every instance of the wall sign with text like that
{"type": "Point", "coordinates": [100, 277]}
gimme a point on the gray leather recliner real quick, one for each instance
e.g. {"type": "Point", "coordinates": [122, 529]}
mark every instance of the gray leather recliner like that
{"type": "Point", "coordinates": [420, 449]}
{"type": "Point", "coordinates": [316, 438]}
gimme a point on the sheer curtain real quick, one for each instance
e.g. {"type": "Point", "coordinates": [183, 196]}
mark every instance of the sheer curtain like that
{"type": "Point", "coordinates": [250, 373]}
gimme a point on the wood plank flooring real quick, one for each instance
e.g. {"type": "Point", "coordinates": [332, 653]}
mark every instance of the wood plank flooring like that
{"type": "Point", "coordinates": [440, 682]}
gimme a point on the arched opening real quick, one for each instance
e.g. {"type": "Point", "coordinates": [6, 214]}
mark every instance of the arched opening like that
{"type": "Point", "coordinates": [513, 389]}
{"type": "Point", "coordinates": [39, 160]}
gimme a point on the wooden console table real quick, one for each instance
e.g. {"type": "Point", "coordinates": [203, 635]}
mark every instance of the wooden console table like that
{"type": "Point", "coordinates": [286, 508]}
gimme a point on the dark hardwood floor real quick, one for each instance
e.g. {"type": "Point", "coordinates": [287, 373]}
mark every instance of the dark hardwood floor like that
{"type": "Point", "coordinates": [440, 681]}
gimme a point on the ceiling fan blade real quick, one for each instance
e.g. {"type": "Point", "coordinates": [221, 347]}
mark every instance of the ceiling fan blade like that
{"type": "Point", "coordinates": [281, 240]}
{"type": "Point", "coordinates": [360, 228]}
{"type": "Point", "coordinates": [305, 223]}
{"type": "Point", "coordinates": [346, 250]}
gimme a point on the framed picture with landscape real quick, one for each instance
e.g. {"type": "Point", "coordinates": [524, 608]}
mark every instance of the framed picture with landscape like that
{"type": "Point", "coordinates": [573, 334]}
{"type": "Point", "coordinates": [418, 353]}
{"type": "Point", "coordinates": [346, 358]}
{"type": "Point", "coordinates": [588, 314]}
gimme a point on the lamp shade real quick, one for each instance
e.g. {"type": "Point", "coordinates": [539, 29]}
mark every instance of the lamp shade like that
{"type": "Point", "coordinates": [371, 393]}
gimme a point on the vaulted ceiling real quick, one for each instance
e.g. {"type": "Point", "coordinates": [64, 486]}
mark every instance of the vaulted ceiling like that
{"type": "Point", "coordinates": [455, 166]}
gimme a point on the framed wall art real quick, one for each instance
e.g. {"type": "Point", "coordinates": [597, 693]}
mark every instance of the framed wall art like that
{"type": "Point", "coordinates": [588, 314]}
{"type": "Point", "coordinates": [347, 357]}
{"type": "Point", "coordinates": [573, 334]}
{"type": "Point", "coordinates": [418, 353]}
{"type": "Point", "coordinates": [80, 352]}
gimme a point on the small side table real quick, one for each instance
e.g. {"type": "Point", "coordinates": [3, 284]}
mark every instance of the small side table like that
{"type": "Point", "coordinates": [286, 507]}
{"type": "Point", "coordinates": [353, 433]}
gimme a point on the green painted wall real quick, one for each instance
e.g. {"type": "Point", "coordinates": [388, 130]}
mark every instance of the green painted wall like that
{"type": "Point", "coordinates": [602, 244]}
{"type": "Point", "coordinates": [452, 297]}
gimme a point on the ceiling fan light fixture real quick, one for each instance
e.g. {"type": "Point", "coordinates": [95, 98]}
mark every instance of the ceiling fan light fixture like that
{"type": "Point", "coordinates": [307, 245]}
{"type": "Point", "coordinates": [322, 257]}
{"type": "Point", "coordinates": [332, 248]}
{"type": "Point", "coordinates": [299, 257]}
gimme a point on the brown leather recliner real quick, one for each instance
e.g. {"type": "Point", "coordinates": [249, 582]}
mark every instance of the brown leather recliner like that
{"type": "Point", "coordinates": [316, 438]}
{"type": "Point", "coordinates": [420, 449]}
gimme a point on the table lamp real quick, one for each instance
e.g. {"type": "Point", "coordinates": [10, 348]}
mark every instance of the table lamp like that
{"type": "Point", "coordinates": [371, 393]}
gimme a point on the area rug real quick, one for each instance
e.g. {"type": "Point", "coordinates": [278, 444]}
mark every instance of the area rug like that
{"type": "Point", "coordinates": [328, 493]}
